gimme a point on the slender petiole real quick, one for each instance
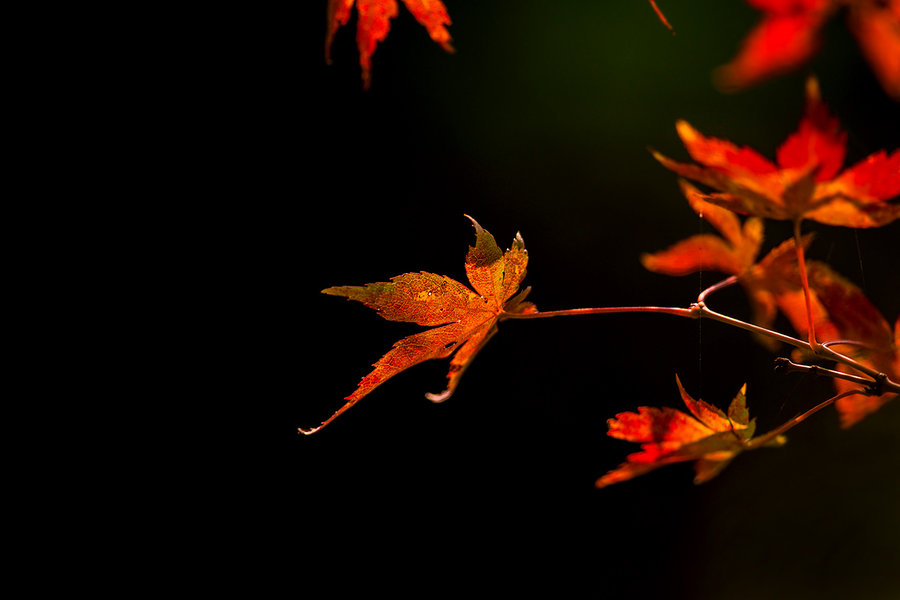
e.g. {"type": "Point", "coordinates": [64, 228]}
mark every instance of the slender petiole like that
{"type": "Point", "coordinates": [699, 310]}
{"type": "Point", "coordinates": [786, 365]}
{"type": "Point", "coordinates": [765, 438]}
{"type": "Point", "coordinates": [606, 310]}
{"type": "Point", "coordinates": [716, 287]}
{"type": "Point", "coordinates": [801, 262]}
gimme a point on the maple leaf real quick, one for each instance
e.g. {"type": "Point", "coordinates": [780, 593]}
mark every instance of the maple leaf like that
{"type": "Point", "coordinates": [770, 283]}
{"type": "Point", "coordinates": [840, 309]}
{"type": "Point", "coordinates": [788, 35]}
{"type": "Point", "coordinates": [710, 437]}
{"type": "Point", "coordinates": [874, 345]}
{"type": "Point", "coordinates": [853, 408]}
{"type": "Point", "coordinates": [806, 183]}
{"type": "Point", "coordinates": [463, 320]}
{"type": "Point", "coordinates": [374, 24]}
{"type": "Point", "coordinates": [733, 253]}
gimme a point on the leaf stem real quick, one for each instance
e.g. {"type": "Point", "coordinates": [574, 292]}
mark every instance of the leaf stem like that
{"type": "Point", "coordinates": [767, 437]}
{"type": "Point", "coordinates": [668, 310]}
{"type": "Point", "coordinates": [801, 262]}
{"type": "Point", "coordinates": [786, 365]}
{"type": "Point", "coordinates": [716, 287]}
{"type": "Point", "coordinates": [715, 316]}
{"type": "Point", "coordinates": [878, 384]}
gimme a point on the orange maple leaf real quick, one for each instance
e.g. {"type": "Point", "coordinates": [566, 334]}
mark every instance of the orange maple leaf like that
{"type": "Point", "coordinates": [733, 253]}
{"type": "Point", "coordinates": [840, 309]}
{"type": "Point", "coordinates": [374, 24]}
{"type": "Point", "coordinates": [467, 319]}
{"type": "Point", "coordinates": [806, 183]}
{"type": "Point", "coordinates": [710, 437]}
{"type": "Point", "coordinates": [770, 283]}
{"type": "Point", "coordinates": [788, 35]}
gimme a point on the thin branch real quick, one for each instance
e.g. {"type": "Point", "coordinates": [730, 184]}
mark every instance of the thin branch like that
{"type": "Point", "coordinates": [829, 354]}
{"type": "Point", "coordinates": [878, 382]}
{"type": "Point", "coordinates": [708, 313]}
{"type": "Point", "coordinates": [786, 365]}
{"type": "Point", "coordinates": [845, 343]}
{"type": "Point", "coordinates": [716, 287]}
{"type": "Point", "coordinates": [667, 310]}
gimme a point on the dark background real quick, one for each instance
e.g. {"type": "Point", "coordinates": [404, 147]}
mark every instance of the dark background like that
{"type": "Point", "coordinates": [540, 123]}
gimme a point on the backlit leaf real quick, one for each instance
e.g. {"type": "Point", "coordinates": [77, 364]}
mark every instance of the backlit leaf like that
{"type": "Point", "coordinates": [804, 183]}
{"type": "Point", "coordinates": [463, 319]}
{"type": "Point", "coordinates": [707, 436]}
{"type": "Point", "coordinates": [374, 24]}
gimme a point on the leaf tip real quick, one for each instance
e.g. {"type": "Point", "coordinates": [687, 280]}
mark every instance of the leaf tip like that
{"type": "Point", "coordinates": [657, 155]}
{"type": "Point", "coordinates": [813, 92]}
{"type": "Point", "coordinates": [336, 290]}
{"type": "Point", "coordinates": [519, 241]}
{"type": "Point", "coordinates": [478, 228]}
{"type": "Point", "coordinates": [438, 398]}
{"type": "Point", "coordinates": [777, 441]}
{"type": "Point", "coordinates": [686, 131]}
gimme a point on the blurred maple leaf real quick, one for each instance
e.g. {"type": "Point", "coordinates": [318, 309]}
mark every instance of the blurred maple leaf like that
{"type": "Point", "coordinates": [468, 319]}
{"type": "Point", "coordinates": [788, 35]}
{"type": "Point", "coordinates": [374, 24]}
{"type": "Point", "coordinates": [806, 183]}
{"type": "Point", "coordinates": [710, 437]}
{"type": "Point", "coordinates": [841, 312]}
{"type": "Point", "coordinates": [873, 344]}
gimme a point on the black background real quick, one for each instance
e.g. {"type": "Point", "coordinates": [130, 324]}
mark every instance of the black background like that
{"type": "Point", "coordinates": [540, 123]}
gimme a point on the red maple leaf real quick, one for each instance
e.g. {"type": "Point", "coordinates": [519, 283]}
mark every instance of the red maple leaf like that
{"type": "Point", "coordinates": [788, 35]}
{"type": "Point", "coordinates": [806, 182]}
{"type": "Point", "coordinates": [710, 437]}
{"type": "Point", "coordinates": [374, 23]}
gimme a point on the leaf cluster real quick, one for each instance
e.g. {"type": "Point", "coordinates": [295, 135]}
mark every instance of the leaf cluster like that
{"type": "Point", "coordinates": [741, 189]}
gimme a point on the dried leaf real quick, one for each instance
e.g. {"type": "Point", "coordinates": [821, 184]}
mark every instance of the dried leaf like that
{"type": "Point", "coordinates": [464, 320]}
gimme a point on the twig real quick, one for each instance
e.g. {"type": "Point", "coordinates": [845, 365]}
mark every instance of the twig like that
{"type": "Point", "coordinates": [716, 287]}
{"type": "Point", "coordinates": [606, 310]}
{"type": "Point", "coordinates": [879, 382]}
{"type": "Point", "coordinates": [786, 365]}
